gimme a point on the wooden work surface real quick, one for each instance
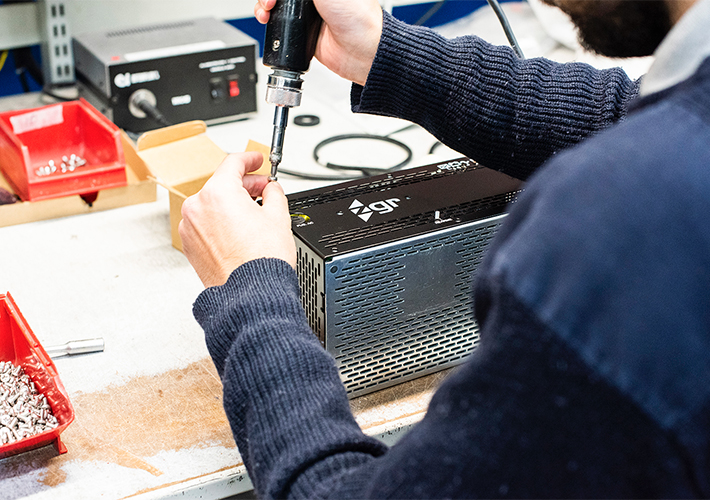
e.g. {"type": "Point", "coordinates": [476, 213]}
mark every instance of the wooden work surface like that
{"type": "Point", "coordinates": [149, 420]}
{"type": "Point", "coordinates": [127, 426]}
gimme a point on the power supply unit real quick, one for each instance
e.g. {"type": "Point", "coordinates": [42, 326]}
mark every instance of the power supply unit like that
{"type": "Point", "coordinates": [202, 69]}
{"type": "Point", "coordinates": [386, 266]}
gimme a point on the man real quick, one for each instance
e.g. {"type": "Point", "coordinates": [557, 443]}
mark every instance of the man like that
{"type": "Point", "coordinates": [592, 377]}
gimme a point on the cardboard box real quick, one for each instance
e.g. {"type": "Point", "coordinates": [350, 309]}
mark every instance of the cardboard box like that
{"type": "Point", "coordinates": [182, 158]}
{"type": "Point", "coordinates": [140, 188]}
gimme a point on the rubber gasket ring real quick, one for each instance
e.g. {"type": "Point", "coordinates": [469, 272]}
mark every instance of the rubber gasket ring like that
{"type": "Point", "coordinates": [306, 120]}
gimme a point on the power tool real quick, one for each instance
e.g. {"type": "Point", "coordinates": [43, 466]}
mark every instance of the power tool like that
{"type": "Point", "coordinates": [289, 45]}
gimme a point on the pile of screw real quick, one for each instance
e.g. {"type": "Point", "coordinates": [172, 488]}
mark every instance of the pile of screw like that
{"type": "Point", "coordinates": [23, 411]}
{"type": "Point", "coordinates": [69, 164]}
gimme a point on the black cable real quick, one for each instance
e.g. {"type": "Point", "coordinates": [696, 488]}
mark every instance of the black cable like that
{"type": "Point", "coordinates": [25, 64]}
{"type": "Point", "coordinates": [499, 13]}
{"type": "Point", "coordinates": [365, 171]}
{"type": "Point", "coordinates": [314, 177]}
{"type": "Point", "coordinates": [58, 97]}
{"type": "Point", "coordinates": [434, 146]}
{"type": "Point", "coordinates": [506, 27]}
{"type": "Point", "coordinates": [20, 72]}
{"type": "Point", "coordinates": [152, 112]}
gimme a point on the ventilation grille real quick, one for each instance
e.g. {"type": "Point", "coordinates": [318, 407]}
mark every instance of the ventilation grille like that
{"type": "Point", "coordinates": [379, 183]}
{"type": "Point", "coordinates": [376, 337]}
{"type": "Point", "coordinates": [310, 279]}
{"type": "Point", "coordinates": [148, 29]}
{"type": "Point", "coordinates": [333, 240]}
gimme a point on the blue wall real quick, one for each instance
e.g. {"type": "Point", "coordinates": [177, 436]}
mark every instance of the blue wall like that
{"type": "Point", "coordinates": [452, 9]}
{"type": "Point", "coordinates": [9, 81]}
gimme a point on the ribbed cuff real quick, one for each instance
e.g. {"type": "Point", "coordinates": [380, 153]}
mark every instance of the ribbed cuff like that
{"type": "Point", "coordinates": [259, 288]}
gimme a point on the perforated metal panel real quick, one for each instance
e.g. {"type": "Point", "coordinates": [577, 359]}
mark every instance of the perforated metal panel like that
{"type": "Point", "coordinates": [387, 266]}
{"type": "Point", "coordinates": [404, 310]}
{"type": "Point", "coordinates": [310, 278]}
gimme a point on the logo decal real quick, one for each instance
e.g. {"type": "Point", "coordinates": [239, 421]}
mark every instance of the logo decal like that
{"type": "Point", "coordinates": [125, 80]}
{"type": "Point", "coordinates": [365, 211]}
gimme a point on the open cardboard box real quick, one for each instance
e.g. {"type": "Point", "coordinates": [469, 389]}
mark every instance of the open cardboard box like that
{"type": "Point", "coordinates": [140, 188]}
{"type": "Point", "coordinates": [181, 158]}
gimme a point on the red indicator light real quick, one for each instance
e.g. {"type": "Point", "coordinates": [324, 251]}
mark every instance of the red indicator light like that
{"type": "Point", "coordinates": [233, 88]}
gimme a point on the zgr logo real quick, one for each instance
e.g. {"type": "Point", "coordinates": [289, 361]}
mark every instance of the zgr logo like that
{"type": "Point", "coordinates": [365, 211]}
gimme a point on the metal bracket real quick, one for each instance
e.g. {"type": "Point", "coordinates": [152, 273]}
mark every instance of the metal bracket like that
{"type": "Point", "coordinates": [57, 54]}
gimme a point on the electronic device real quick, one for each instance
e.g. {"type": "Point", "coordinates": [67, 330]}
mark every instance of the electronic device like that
{"type": "Point", "coordinates": [386, 265]}
{"type": "Point", "coordinates": [289, 45]}
{"type": "Point", "coordinates": [151, 76]}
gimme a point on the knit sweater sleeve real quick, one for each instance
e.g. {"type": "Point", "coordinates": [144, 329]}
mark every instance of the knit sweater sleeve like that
{"type": "Point", "coordinates": [523, 398]}
{"type": "Point", "coordinates": [287, 408]}
{"type": "Point", "coordinates": [509, 114]}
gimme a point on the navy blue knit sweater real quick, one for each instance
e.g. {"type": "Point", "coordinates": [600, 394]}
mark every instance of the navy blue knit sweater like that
{"type": "Point", "coordinates": [507, 113]}
{"type": "Point", "coordinates": [592, 377]}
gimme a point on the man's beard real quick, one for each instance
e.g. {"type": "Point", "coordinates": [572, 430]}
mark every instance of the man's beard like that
{"type": "Point", "coordinates": [618, 28]}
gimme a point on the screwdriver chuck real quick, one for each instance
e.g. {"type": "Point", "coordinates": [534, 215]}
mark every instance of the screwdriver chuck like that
{"type": "Point", "coordinates": [283, 88]}
{"type": "Point", "coordinates": [289, 45]}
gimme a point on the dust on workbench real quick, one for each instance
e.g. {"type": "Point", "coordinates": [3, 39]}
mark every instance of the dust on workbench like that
{"type": "Point", "coordinates": [179, 409]}
{"type": "Point", "coordinates": [402, 400]}
{"type": "Point", "coordinates": [124, 424]}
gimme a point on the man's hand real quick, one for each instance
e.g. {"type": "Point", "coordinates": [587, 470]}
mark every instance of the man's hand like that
{"type": "Point", "coordinates": [349, 37]}
{"type": "Point", "coordinates": [223, 227]}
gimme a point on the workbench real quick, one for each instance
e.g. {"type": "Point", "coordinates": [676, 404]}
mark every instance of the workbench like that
{"type": "Point", "coordinates": [149, 419]}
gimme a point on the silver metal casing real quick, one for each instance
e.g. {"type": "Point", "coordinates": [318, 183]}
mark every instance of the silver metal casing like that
{"type": "Point", "coordinates": [391, 298]}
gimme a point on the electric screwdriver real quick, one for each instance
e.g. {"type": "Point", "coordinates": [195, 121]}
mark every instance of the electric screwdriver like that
{"type": "Point", "coordinates": [289, 45]}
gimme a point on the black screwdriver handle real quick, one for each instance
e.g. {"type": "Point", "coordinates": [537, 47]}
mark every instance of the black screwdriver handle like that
{"type": "Point", "coordinates": [291, 35]}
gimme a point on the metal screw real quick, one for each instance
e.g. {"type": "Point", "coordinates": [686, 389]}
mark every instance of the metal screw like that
{"type": "Point", "coordinates": [23, 411]}
{"type": "Point", "coordinates": [68, 164]}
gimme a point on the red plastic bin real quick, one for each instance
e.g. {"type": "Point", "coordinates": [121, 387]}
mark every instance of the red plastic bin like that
{"type": "Point", "coordinates": [20, 346]}
{"type": "Point", "coordinates": [30, 138]}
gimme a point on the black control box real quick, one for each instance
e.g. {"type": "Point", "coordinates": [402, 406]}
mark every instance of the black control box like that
{"type": "Point", "coordinates": [386, 266]}
{"type": "Point", "coordinates": [202, 69]}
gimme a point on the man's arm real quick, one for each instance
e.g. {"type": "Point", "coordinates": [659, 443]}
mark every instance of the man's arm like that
{"type": "Point", "coordinates": [525, 397]}
{"type": "Point", "coordinates": [525, 417]}
{"type": "Point", "coordinates": [287, 408]}
{"type": "Point", "coordinates": [477, 98]}
{"type": "Point", "coordinates": [510, 114]}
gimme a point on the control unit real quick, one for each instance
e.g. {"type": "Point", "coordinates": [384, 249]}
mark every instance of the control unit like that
{"type": "Point", "coordinates": [386, 266]}
{"type": "Point", "coordinates": [146, 77]}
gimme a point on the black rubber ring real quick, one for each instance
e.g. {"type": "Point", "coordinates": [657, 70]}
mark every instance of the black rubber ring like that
{"type": "Point", "coordinates": [306, 120]}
